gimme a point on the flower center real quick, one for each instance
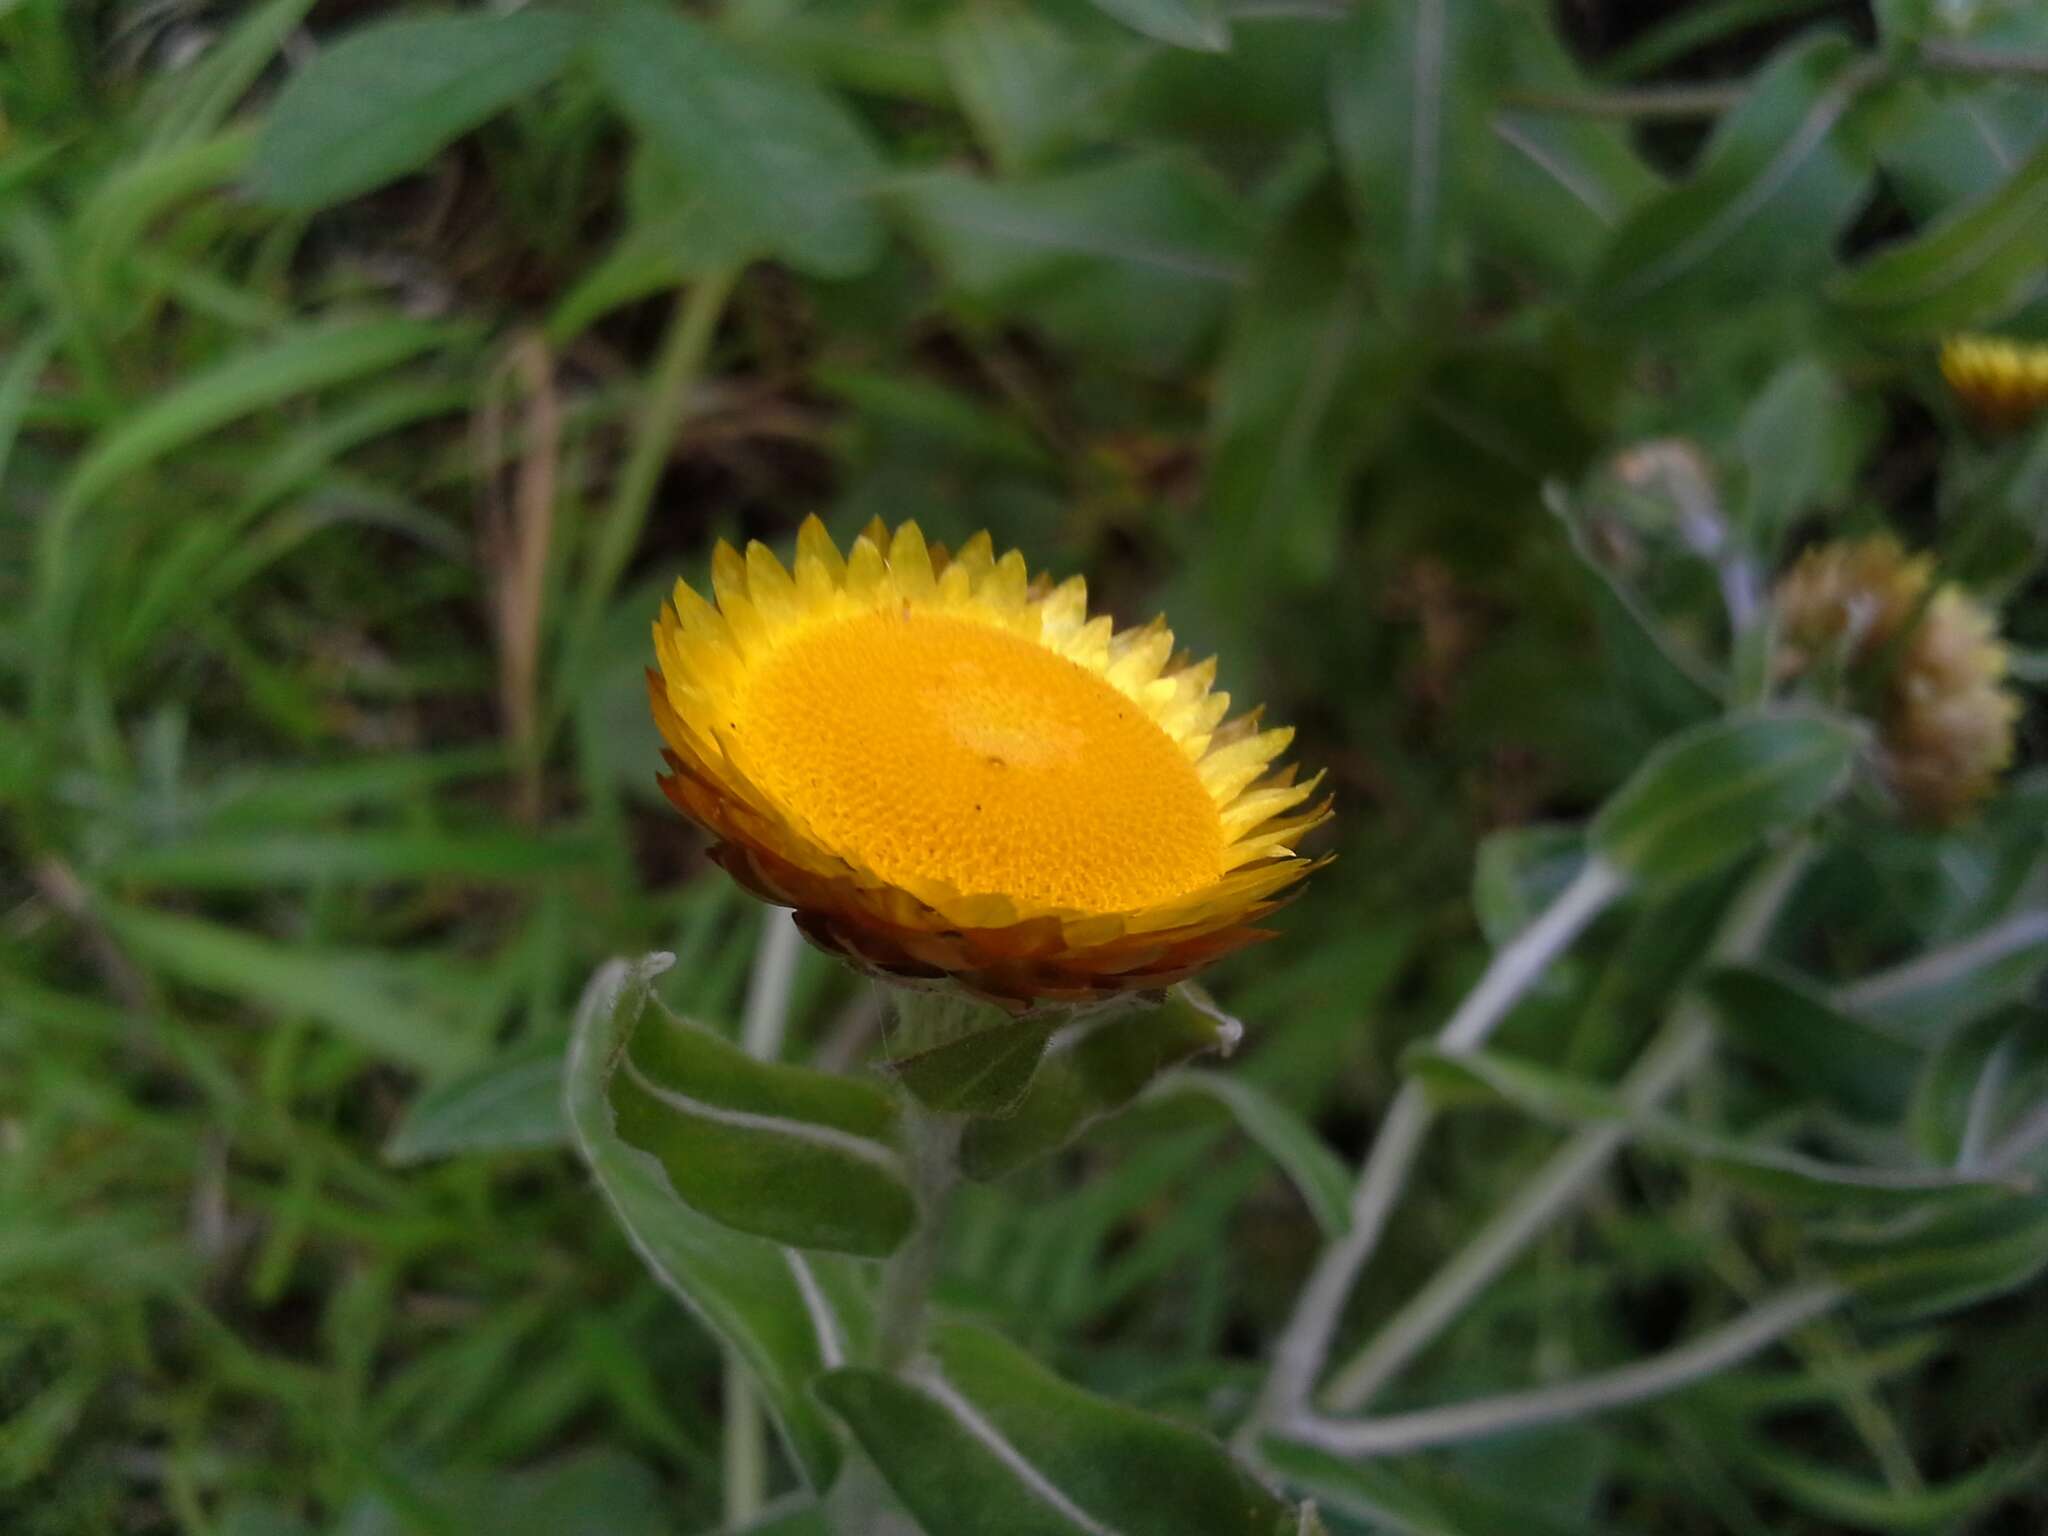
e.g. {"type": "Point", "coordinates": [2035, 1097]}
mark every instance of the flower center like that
{"type": "Point", "coordinates": [922, 745]}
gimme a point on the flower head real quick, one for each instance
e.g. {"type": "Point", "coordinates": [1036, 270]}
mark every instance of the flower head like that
{"type": "Point", "coordinates": [952, 772]}
{"type": "Point", "coordinates": [1923, 659]}
{"type": "Point", "coordinates": [2004, 383]}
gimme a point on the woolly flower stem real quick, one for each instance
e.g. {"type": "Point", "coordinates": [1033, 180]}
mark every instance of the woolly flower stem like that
{"type": "Point", "coordinates": [1705, 1356]}
{"type": "Point", "coordinates": [767, 1020]}
{"type": "Point", "coordinates": [1679, 1049]}
{"type": "Point", "coordinates": [1515, 969]}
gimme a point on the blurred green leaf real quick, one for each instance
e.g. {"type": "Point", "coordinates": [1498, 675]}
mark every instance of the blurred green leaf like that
{"type": "Point", "coordinates": [1520, 871]}
{"type": "Point", "coordinates": [776, 1309]}
{"type": "Point", "coordinates": [233, 860]}
{"type": "Point", "coordinates": [986, 1439]}
{"type": "Point", "coordinates": [807, 1520]}
{"type": "Point", "coordinates": [802, 1157]}
{"type": "Point", "coordinates": [591, 1493]}
{"type": "Point", "coordinates": [1659, 660]}
{"type": "Point", "coordinates": [1780, 1020]}
{"type": "Point", "coordinates": [383, 100]}
{"type": "Point", "coordinates": [1708, 795]}
{"type": "Point", "coordinates": [1932, 996]}
{"type": "Point", "coordinates": [1376, 1496]}
{"type": "Point", "coordinates": [296, 363]}
{"type": "Point", "coordinates": [360, 995]}
{"type": "Point", "coordinates": [942, 416]}
{"type": "Point", "coordinates": [1558, 184]}
{"type": "Point", "coordinates": [1929, 1262]}
{"type": "Point", "coordinates": [1571, 1102]}
{"type": "Point", "coordinates": [1759, 215]}
{"type": "Point", "coordinates": [782, 167]}
{"type": "Point", "coordinates": [1299, 401]}
{"type": "Point", "coordinates": [1800, 444]}
{"type": "Point", "coordinates": [512, 1102]}
{"type": "Point", "coordinates": [112, 223]}
{"type": "Point", "coordinates": [1092, 1070]}
{"type": "Point", "coordinates": [1197, 24]}
{"type": "Point", "coordinates": [1690, 30]}
{"type": "Point", "coordinates": [1863, 1505]}
{"type": "Point", "coordinates": [1981, 1080]}
{"type": "Point", "coordinates": [1136, 257]}
{"type": "Point", "coordinates": [1026, 83]}
{"type": "Point", "coordinates": [195, 102]}
{"type": "Point", "coordinates": [1318, 1174]}
{"type": "Point", "coordinates": [1975, 265]}
{"type": "Point", "coordinates": [1413, 83]}
{"type": "Point", "coordinates": [674, 233]}
{"type": "Point", "coordinates": [984, 1073]}
{"type": "Point", "coordinates": [1958, 143]}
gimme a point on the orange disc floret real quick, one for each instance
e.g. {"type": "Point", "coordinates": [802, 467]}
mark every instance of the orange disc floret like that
{"type": "Point", "coordinates": [954, 774]}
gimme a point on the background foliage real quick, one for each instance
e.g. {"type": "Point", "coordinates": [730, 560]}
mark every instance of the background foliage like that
{"type": "Point", "coordinates": [369, 373]}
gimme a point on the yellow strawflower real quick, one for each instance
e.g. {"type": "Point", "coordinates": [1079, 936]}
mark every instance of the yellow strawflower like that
{"type": "Point", "coordinates": [1923, 660]}
{"type": "Point", "coordinates": [953, 773]}
{"type": "Point", "coordinates": [2004, 383]}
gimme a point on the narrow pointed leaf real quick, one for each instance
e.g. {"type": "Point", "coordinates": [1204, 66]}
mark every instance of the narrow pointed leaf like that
{"type": "Point", "coordinates": [511, 1103]}
{"type": "Point", "coordinates": [1978, 1085]}
{"type": "Point", "coordinates": [360, 995]}
{"type": "Point", "coordinates": [1759, 216]}
{"type": "Point", "coordinates": [1305, 380]}
{"type": "Point", "coordinates": [1133, 258]}
{"type": "Point", "coordinates": [1317, 1173]}
{"type": "Point", "coordinates": [982, 1438]}
{"type": "Point", "coordinates": [1710, 794]}
{"type": "Point", "coordinates": [1090, 1071]}
{"type": "Point", "coordinates": [1519, 871]}
{"type": "Point", "coordinates": [1974, 266]}
{"type": "Point", "coordinates": [1801, 443]}
{"type": "Point", "coordinates": [1559, 185]}
{"type": "Point", "coordinates": [1957, 144]}
{"type": "Point", "coordinates": [1197, 24]}
{"type": "Point", "coordinates": [1849, 1502]}
{"type": "Point", "coordinates": [787, 1316]}
{"type": "Point", "coordinates": [1409, 94]}
{"type": "Point", "coordinates": [1778, 1019]}
{"type": "Point", "coordinates": [1929, 1263]}
{"type": "Point", "coordinates": [984, 1073]}
{"type": "Point", "coordinates": [801, 1157]}
{"type": "Point", "coordinates": [1571, 1102]}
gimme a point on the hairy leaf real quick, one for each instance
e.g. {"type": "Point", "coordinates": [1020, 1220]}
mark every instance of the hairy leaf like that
{"type": "Point", "coordinates": [986, 1439]}
{"type": "Point", "coordinates": [1709, 795]}
{"type": "Point", "coordinates": [802, 1157]}
{"type": "Point", "coordinates": [787, 1316]}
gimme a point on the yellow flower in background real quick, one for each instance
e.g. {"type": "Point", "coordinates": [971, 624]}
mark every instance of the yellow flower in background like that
{"type": "Point", "coordinates": [2004, 383]}
{"type": "Point", "coordinates": [1923, 659]}
{"type": "Point", "coordinates": [952, 772]}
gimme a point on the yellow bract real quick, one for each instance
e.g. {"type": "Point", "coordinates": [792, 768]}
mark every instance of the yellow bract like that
{"type": "Point", "coordinates": [952, 771]}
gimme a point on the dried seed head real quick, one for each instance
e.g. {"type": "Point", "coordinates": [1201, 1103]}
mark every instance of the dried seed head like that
{"type": "Point", "coordinates": [1921, 660]}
